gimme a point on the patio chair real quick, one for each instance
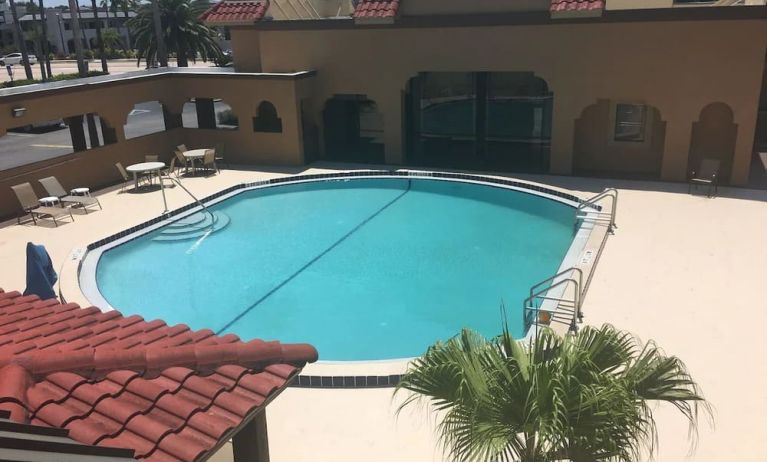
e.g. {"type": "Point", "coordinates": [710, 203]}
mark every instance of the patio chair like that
{"type": "Point", "coordinates": [220, 155]}
{"type": "Point", "coordinates": [151, 158]}
{"type": "Point", "coordinates": [182, 148]}
{"type": "Point", "coordinates": [30, 205]}
{"type": "Point", "coordinates": [181, 160]}
{"type": "Point", "coordinates": [124, 174]}
{"type": "Point", "coordinates": [54, 188]}
{"type": "Point", "coordinates": [707, 175]}
{"type": "Point", "coordinates": [171, 170]}
{"type": "Point", "coordinates": [209, 160]}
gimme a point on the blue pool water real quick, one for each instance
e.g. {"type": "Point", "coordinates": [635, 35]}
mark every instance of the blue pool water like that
{"type": "Point", "coordinates": [361, 268]}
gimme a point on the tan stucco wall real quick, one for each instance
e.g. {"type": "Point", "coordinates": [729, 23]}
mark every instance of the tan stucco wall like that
{"type": "Point", "coordinates": [677, 67]}
{"type": "Point", "coordinates": [95, 167]}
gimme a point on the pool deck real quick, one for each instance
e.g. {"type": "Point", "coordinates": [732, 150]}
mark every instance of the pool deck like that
{"type": "Point", "coordinates": [682, 270]}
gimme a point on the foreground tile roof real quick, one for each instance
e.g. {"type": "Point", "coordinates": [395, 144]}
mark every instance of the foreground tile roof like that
{"type": "Point", "coordinates": [167, 392]}
{"type": "Point", "coordinates": [576, 8]}
{"type": "Point", "coordinates": [373, 10]}
{"type": "Point", "coordinates": [32, 443]}
{"type": "Point", "coordinates": [235, 12]}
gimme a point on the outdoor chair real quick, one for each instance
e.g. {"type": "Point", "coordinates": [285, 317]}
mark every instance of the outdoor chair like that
{"type": "Point", "coordinates": [209, 160]}
{"type": "Point", "coordinates": [171, 170]}
{"type": "Point", "coordinates": [707, 175]}
{"type": "Point", "coordinates": [182, 148]}
{"type": "Point", "coordinates": [151, 158]}
{"type": "Point", "coordinates": [220, 155]}
{"type": "Point", "coordinates": [30, 204]}
{"type": "Point", "coordinates": [124, 174]}
{"type": "Point", "coordinates": [54, 188]}
{"type": "Point", "coordinates": [181, 160]}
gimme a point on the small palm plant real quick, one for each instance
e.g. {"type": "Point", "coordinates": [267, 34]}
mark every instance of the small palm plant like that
{"type": "Point", "coordinates": [584, 397]}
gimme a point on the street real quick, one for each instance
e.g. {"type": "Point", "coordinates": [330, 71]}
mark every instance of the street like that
{"type": "Point", "coordinates": [19, 147]}
{"type": "Point", "coordinates": [116, 66]}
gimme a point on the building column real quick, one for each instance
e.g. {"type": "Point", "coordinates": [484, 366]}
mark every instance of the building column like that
{"type": "Point", "coordinates": [206, 113]}
{"type": "Point", "coordinates": [564, 113]}
{"type": "Point", "coordinates": [251, 443]}
{"type": "Point", "coordinates": [77, 132]}
{"type": "Point", "coordinates": [93, 133]}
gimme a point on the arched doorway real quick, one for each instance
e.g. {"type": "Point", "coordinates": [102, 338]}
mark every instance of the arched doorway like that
{"type": "Point", "coordinates": [479, 120]}
{"type": "Point", "coordinates": [353, 129]}
{"type": "Point", "coordinates": [619, 139]}
{"type": "Point", "coordinates": [713, 137]}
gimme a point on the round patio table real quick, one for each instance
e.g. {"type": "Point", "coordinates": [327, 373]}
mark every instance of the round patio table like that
{"type": "Point", "coordinates": [193, 155]}
{"type": "Point", "coordinates": [143, 168]}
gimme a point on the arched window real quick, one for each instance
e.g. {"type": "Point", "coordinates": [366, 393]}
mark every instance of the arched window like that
{"type": "Point", "coordinates": [209, 113]}
{"type": "Point", "coordinates": [266, 119]}
{"type": "Point", "coordinates": [144, 119]}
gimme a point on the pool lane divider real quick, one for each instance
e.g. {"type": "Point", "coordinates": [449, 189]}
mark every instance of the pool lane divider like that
{"type": "Point", "coordinates": [315, 259]}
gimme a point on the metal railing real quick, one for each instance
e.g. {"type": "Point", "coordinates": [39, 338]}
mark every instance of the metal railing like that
{"type": "Point", "coordinates": [175, 180]}
{"type": "Point", "coordinates": [597, 215]}
{"type": "Point", "coordinates": [567, 309]}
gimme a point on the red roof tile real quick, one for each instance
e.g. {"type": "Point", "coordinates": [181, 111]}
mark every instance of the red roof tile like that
{"type": "Point", "coordinates": [376, 10]}
{"type": "Point", "coordinates": [169, 393]}
{"type": "Point", "coordinates": [576, 8]}
{"type": "Point", "coordinates": [235, 12]}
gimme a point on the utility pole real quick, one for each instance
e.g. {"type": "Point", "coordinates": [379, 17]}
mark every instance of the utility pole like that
{"type": "Point", "coordinates": [162, 52]}
{"type": "Point", "coordinates": [21, 41]}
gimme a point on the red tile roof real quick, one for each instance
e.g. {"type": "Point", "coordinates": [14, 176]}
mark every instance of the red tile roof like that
{"type": "Point", "coordinates": [235, 12]}
{"type": "Point", "coordinates": [576, 8]}
{"type": "Point", "coordinates": [169, 393]}
{"type": "Point", "coordinates": [376, 10]}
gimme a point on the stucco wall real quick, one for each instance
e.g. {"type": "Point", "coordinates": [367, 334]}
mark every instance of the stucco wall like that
{"type": "Point", "coordinates": [677, 67]}
{"type": "Point", "coordinates": [113, 102]}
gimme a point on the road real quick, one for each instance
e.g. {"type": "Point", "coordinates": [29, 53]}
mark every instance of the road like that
{"type": "Point", "coordinates": [19, 147]}
{"type": "Point", "coordinates": [118, 66]}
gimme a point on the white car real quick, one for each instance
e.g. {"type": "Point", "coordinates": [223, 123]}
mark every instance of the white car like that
{"type": "Point", "coordinates": [15, 58]}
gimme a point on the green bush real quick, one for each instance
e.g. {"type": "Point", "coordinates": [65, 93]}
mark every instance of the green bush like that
{"type": "Point", "coordinates": [55, 78]}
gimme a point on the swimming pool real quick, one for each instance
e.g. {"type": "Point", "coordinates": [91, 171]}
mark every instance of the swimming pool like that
{"type": "Point", "coordinates": [362, 268]}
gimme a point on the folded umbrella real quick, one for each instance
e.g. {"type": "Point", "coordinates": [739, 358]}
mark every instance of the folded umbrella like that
{"type": "Point", "coordinates": [40, 274]}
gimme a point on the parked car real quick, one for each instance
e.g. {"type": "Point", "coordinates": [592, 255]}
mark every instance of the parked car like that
{"type": "Point", "coordinates": [15, 58]}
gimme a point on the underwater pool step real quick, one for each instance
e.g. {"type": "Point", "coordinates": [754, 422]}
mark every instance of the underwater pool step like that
{"type": "Point", "coordinates": [199, 228]}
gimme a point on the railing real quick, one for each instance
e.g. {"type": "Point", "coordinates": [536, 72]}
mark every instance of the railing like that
{"type": "Point", "coordinates": [178, 183]}
{"type": "Point", "coordinates": [567, 307]}
{"type": "Point", "coordinates": [597, 215]}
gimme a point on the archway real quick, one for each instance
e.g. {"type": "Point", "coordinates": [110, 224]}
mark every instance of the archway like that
{"type": "Point", "coordinates": [353, 129]}
{"type": "Point", "coordinates": [479, 120]}
{"type": "Point", "coordinates": [266, 119]}
{"type": "Point", "coordinates": [713, 137]}
{"type": "Point", "coordinates": [619, 139]}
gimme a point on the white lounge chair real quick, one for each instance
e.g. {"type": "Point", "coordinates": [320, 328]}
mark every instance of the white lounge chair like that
{"type": "Point", "coordinates": [54, 188]}
{"type": "Point", "coordinates": [30, 204]}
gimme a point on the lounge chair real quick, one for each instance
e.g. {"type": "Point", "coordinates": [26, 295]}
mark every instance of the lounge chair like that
{"type": "Point", "coordinates": [707, 175]}
{"type": "Point", "coordinates": [54, 188]}
{"type": "Point", "coordinates": [30, 204]}
{"type": "Point", "coordinates": [220, 155]}
{"type": "Point", "coordinates": [209, 160]}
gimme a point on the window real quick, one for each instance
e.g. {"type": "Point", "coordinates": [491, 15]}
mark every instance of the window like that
{"type": "Point", "coordinates": [144, 119]}
{"type": "Point", "coordinates": [630, 120]}
{"type": "Point", "coordinates": [266, 119]}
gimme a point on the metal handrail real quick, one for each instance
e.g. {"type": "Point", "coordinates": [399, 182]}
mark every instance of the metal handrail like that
{"type": "Point", "coordinates": [561, 273]}
{"type": "Point", "coordinates": [592, 201]}
{"type": "Point", "coordinates": [204, 207]}
{"type": "Point", "coordinates": [529, 304]}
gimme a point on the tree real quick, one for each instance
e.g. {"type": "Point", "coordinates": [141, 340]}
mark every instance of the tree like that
{"type": "Point", "coordinates": [585, 397]}
{"type": "Point", "coordinates": [37, 37]}
{"type": "Point", "coordinates": [110, 37]}
{"type": "Point", "coordinates": [20, 40]}
{"type": "Point", "coordinates": [75, 21]}
{"type": "Point", "coordinates": [46, 49]}
{"type": "Point", "coordinates": [182, 33]}
{"type": "Point", "coordinates": [99, 40]}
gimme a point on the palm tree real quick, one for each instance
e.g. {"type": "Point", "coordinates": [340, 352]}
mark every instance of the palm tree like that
{"type": "Point", "coordinates": [585, 397]}
{"type": "Point", "coordinates": [75, 21]}
{"type": "Point", "coordinates": [99, 40]}
{"type": "Point", "coordinates": [46, 48]}
{"type": "Point", "coordinates": [182, 34]}
{"type": "Point", "coordinates": [20, 40]}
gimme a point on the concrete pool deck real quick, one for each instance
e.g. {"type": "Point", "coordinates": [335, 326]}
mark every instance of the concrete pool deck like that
{"type": "Point", "coordinates": [682, 270]}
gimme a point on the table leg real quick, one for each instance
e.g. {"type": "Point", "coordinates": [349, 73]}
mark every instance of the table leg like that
{"type": "Point", "coordinates": [135, 180]}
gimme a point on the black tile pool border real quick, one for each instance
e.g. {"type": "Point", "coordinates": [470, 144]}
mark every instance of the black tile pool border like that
{"type": "Point", "coordinates": [422, 174]}
{"type": "Point", "coordinates": [346, 381]}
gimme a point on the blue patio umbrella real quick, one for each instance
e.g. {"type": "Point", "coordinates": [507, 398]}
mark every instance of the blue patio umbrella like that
{"type": "Point", "coordinates": [40, 274]}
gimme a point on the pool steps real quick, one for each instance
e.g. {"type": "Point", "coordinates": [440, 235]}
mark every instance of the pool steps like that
{"type": "Point", "coordinates": [193, 226]}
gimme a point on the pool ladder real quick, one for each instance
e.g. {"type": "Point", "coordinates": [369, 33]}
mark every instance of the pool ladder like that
{"type": "Point", "coordinates": [563, 295]}
{"type": "Point", "coordinates": [595, 213]}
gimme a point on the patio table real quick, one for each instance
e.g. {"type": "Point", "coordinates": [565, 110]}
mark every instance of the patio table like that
{"type": "Point", "coordinates": [194, 155]}
{"type": "Point", "coordinates": [144, 168]}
